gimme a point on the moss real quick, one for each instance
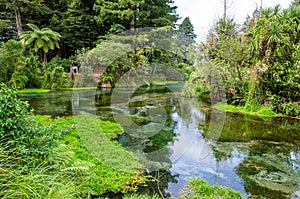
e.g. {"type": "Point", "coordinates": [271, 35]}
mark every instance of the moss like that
{"type": "Point", "coordinates": [163, 83]}
{"type": "Point", "coordinates": [197, 188]}
{"type": "Point", "coordinates": [33, 90]}
{"type": "Point", "coordinates": [110, 129]}
{"type": "Point", "coordinates": [76, 89]}
{"type": "Point", "coordinates": [101, 152]}
{"type": "Point", "coordinates": [261, 111]}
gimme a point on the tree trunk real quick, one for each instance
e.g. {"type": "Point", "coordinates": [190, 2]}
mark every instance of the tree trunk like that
{"type": "Point", "coordinates": [42, 56]}
{"type": "Point", "coordinates": [18, 20]}
{"type": "Point", "coordinates": [225, 10]}
{"type": "Point", "coordinates": [132, 21]}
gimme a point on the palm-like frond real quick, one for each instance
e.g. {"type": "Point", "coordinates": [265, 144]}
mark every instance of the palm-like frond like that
{"type": "Point", "coordinates": [45, 38]}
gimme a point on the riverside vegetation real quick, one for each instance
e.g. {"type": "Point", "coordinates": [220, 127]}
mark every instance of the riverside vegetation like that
{"type": "Point", "coordinates": [258, 63]}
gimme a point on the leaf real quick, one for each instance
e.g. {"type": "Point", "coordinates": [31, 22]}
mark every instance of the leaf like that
{"type": "Point", "coordinates": [46, 48]}
{"type": "Point", "coordinates": [40, 43]}
{"type": "Point", "coordinates": [51, 45]}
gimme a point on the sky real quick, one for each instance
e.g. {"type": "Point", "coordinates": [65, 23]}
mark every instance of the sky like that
{"type": "Point", "coordinates": [203, 13]}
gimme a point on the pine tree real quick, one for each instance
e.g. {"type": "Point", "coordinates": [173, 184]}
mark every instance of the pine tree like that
{"type": "Point", "coordinates": [74, 20]}
{"type": "Point", "coordinates": [135, 13]}
{"type": "Point", "coordinates": [186, 36]}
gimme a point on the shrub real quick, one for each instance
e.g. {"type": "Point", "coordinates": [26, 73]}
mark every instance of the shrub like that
{"type": "Point", "coordinates": [18, 127]}
{"type": "Point", "coordinates": [55, 79]}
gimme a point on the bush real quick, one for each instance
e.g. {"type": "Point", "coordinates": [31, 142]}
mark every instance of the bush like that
{"type": "Point", "coordinates": [18, 127]}
{"type": "Point", "coordinates": [55, 79]}
{"type": "Point", "coordinates": [65, 63]}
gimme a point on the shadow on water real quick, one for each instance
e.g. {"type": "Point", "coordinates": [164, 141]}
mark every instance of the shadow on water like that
{"type": "Point", "coordinates": [260, 157]}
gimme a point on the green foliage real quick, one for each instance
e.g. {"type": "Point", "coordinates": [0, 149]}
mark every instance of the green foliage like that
{"type": "Point", "coordinates": [73, 19]}
{"type": "Point", "coordinates": [19, 129]}
{"type": "Point", "coordinates": [275, 43]}
{"type": "Point", "coordinates": [65, 63]}
{"type": "Point", "coordinates": [43, 39]}
{"type": "Point", "coordinates": [135, 14]}
{"type": "Point", "coordinates": [196, 189]}
{"type": "Point", "coordinates": [110, 129]}
{"type": "Point", "coordinates": [136, 196]}
{"type": "Point", "coordinates": [259, 67]}
{"type": "Point", "coordinates": [18, 80]}
{"type": "Point", "coordinates": [186, 36]}
{"type": "Point", "coordinates": [20, 70]}
{"type": "Point", "coordinates": [106, 178]}
{"type": "Point", "coordinates": [59, 177]}
{"type": "Point", "coordinates": [55, 176]}
{"type": "Point", "coordinates": [54, 79]}
{"type": "Point", "coordinates": [252, 110]}
{"type": "Point", "coordinates": [11, 59]}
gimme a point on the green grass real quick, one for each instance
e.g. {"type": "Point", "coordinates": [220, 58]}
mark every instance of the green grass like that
{"type": "Point", "coordinates": [256, 111]}
{"type": "Point", "coordinates": [76, 89]}
{"type": "Point", "coordinates": [115, 170]}
{"type": "Point", "coordinates": [163, 83]}
{"type": "Point", "coordinates": [33, 90]}
{"type": "Point", "coordinates": [41, 90]}
{"type": "Point", "coordinates": [110, 129]}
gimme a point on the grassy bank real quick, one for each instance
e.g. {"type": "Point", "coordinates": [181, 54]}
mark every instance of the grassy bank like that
{"type": "Point", "coordinates": [102, 178]}
{"type": "Point", "coordinates": [41, 90]}
{"type": "Point", "coordinates": [33, 90]}
{"type": "Point", "coordinates": [260, 111]}
{"type": "Point", "coordinates": [77, 89]}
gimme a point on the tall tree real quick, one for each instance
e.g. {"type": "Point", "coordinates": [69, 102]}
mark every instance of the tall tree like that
{"type": "Point", "coordinates": [43, 39]}
{"type": "Point", "coordinates": [30, 8]}
{"type": "Point", "coordinates": [117, 12]}
{"type": "Point", "coordinates": [76, 24]}
{"type": "Point", "coordinates": [157, 13]}
{"type": "Point", "coordinates": [135, 13]}
{"type": "Point", "coordinates": [186, 35]}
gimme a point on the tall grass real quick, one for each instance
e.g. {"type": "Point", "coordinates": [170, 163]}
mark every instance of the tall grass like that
{"type": "Point", "coordinates": [56, 177]}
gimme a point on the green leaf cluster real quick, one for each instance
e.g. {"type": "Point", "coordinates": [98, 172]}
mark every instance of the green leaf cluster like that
{"type": "Point", "coordinates": [19, 130]}
{"type": "Point", "coordinates": [196, 189]}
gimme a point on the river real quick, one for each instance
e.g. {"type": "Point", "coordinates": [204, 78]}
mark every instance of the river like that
{"type": "Point", "coordinates": [181, 138]}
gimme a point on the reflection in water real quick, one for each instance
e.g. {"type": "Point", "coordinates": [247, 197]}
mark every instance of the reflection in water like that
{"type": "Point", "coordinates": [187, 160]}
{"type": "Point", "coordinates": [295, 159]}
{"type": "Point", "coordinates": [257, 156]}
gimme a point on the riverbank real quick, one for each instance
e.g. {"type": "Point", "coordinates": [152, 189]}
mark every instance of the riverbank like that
{"type": "Point", "coordinates": [262, 111]}
{"type": "Point", "coordinates": [41, 90]}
